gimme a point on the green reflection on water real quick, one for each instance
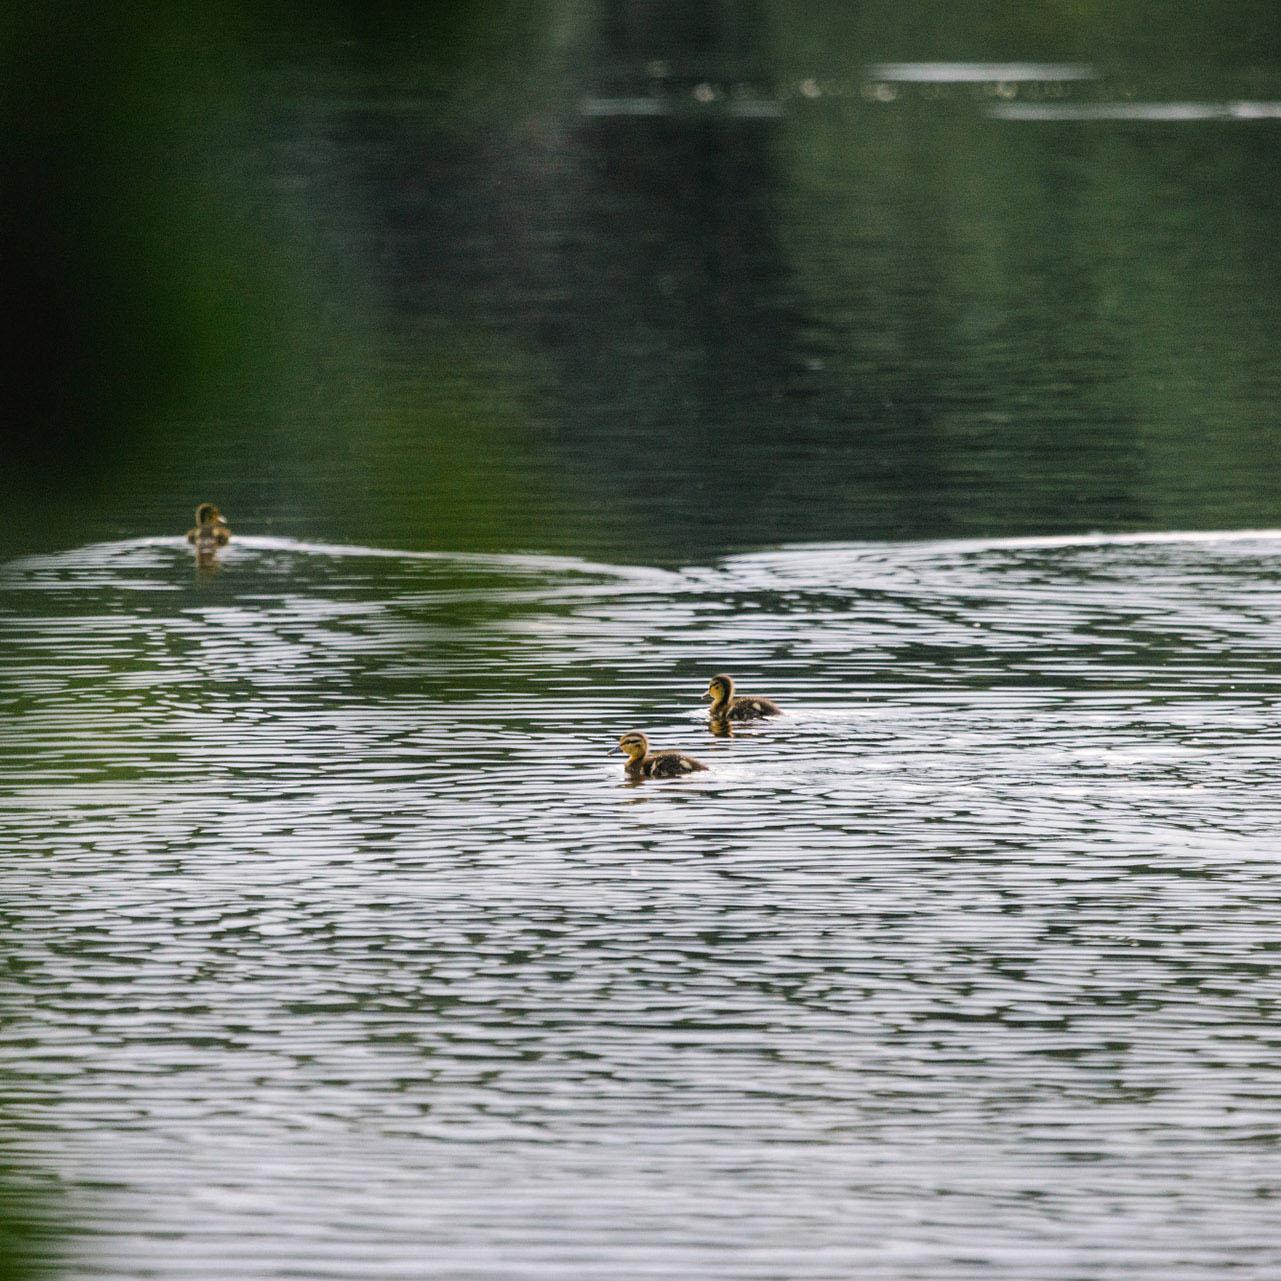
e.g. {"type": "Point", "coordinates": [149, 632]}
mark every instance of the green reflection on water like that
{"type": "Point", "coordinates": [375, 279]}
{"type": "Point", "coordinates": [23, 1241]}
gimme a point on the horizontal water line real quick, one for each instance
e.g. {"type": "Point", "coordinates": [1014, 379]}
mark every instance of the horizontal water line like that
{"type": "Point", "coordinates": [534, 562]}
{"type": "Point", "coordinates": [1157, 112]}
{"type": "Point", "coordinates": [979, 72]}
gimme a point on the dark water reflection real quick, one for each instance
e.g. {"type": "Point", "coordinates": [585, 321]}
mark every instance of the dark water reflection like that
{"type": "Point", "coordinates": [344, 950]}
{"type": "Point", "coordinates": [657, 283]}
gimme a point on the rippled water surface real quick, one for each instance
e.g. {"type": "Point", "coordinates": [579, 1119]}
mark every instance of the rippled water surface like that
{"type": "Point", "coordinates": [341, 949]}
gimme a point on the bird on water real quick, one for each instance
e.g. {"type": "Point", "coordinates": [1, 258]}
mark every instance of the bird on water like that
{"type": "Point", "coordinates": [726, 706]}
{"type": "Point", "coordinates": [211, 529]}
{"type": "Point", "coordinates": [642, 763]}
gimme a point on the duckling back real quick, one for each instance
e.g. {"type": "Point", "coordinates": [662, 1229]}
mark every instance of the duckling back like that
{"type": "Point", "coordinates": [668, 765]}
{"type": "Point", "coordinates": [210, 535]}
{"type": "Point", "coordinates": [748, 707]}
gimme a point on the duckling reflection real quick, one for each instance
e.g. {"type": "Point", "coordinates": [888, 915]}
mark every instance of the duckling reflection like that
{"type": "Point", "coordinates": [211, 530]}
{"type": "Point", "coordinates": [207, 561]}
{"type": "Point", "coordinates": [642, 763]}
{"type": "Point", "coordinates": [745, 707]}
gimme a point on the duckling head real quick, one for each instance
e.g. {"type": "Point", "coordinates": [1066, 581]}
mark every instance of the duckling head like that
{"type": "Point", "coordinates": [207, 514]}
{"type": "Point", "coordinates": [720, 689]}
{"type": "Point", "coordinates": [633, 746]}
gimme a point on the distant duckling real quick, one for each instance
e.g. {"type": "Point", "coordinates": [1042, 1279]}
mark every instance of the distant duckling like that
{"type": "Point", "coordinates": [746, 707]}
{"type": "Point", "coordinates": [211, 530]}
{"type": "Point", "coordinates": [642, 763]}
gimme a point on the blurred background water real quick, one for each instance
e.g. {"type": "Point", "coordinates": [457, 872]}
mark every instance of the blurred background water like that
{"type": "Point", "coordinates": [643, 281]}
{"type": "Point", "coordinates": [547, 358]}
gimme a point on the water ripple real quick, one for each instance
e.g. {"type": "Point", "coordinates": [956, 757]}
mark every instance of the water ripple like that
{"type": "Point", "coordinates": [340, 947]}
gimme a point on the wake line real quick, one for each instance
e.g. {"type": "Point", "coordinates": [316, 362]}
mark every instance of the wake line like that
{"type": "Point", "coordinates": [537, 562]}
{"type": "Point", "coordinates": [1049, 541]}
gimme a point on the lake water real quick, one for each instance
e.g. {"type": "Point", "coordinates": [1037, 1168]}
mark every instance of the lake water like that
{"type": "Point", "coordinates": [652, 285]}
{"type": "Point", "coordinates": [340, 948]}
{"type": "Point", "coordinates": [548, 358]}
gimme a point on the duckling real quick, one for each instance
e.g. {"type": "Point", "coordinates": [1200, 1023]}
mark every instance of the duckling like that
{"type": "Point", "coordinates": [211, 530]}
{"type": "Point", "coordinates": [746, 707]}
{"type": "Point", "coordinates": [642, 763]}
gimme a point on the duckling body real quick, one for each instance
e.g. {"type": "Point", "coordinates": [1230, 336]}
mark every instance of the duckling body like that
{"type": "Point", "coordinates": [726, 706]}
{"type": "Point", "coordinates": [211, 529]}
{"type": "Point", "coordinates": [642, 763]}
{"type": "Point", "coordinates": [665, 765]}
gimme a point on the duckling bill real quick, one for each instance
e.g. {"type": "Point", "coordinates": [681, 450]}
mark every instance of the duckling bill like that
{"type": "Point", "coordinates": [642, 763]}
{"type": "Point", "coordinates": [726, 706]}
{"type": "Point", "coordinates": [211, 529]}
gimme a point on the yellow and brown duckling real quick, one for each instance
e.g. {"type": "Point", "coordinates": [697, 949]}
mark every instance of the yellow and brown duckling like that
{"type": "Point", "coordinates": [642, 763]}
{"type": "Point", "coordinates": [726, 706]}
{"type": "Point", "coordinates": [211, 530]}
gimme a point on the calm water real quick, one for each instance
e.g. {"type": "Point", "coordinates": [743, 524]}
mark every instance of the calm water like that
{"type": "Point", "coordinates": [653, 283]}
{"type": "Point", "coordinates": [340, 949]}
